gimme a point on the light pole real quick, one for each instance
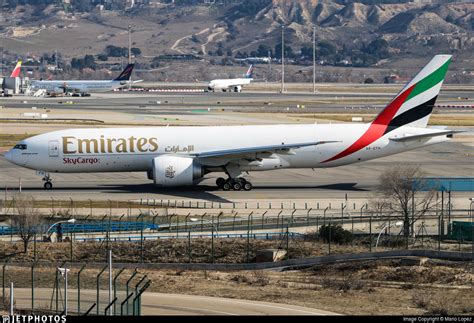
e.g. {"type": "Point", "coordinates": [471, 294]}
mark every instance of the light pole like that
{"type": "Point", "coordinates": [314, 59]}
{"type": "Point", "coordinates": [397, 224]}
{"type": "Point", "coordinates": [64, 273]}
{"type": "Point", "coordinates": [65, 221]}
{"type": "Point", "coordinates": [130, 52]}
{"type": "Point", "coordinates": [282, 58]}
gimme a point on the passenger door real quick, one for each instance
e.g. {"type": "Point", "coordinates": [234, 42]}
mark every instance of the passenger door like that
{"type": "Point", "coordinates": [53, 148]}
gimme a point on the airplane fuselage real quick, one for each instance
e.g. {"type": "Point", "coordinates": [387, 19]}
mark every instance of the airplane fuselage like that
{"type": "Point", "coordinates": [224, 84]}
{"type": "Point", "coordinates": [133, 149]}
{"type": "Point", "coordinates": [93, 86]}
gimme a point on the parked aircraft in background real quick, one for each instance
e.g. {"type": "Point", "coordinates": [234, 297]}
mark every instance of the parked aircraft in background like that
{"type": "Point", "coordinates": [231, 85]}
{"type": "Point", "coordinates": [178, 156]}
{"type": "Point", "coordinates": [85, 86]}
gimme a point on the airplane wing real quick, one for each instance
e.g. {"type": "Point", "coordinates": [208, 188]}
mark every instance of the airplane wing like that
{"type": "Point", "coordinates": [242, 152]}
{"type": "Point", "coordinates": [137, 81]}
{"type": "Point", "coordinates": [425, 135]}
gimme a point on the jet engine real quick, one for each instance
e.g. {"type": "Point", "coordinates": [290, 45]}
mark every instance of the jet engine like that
{"type": "Point", "coordinates": [238, 88]}
{"type": "Point", "coordinates": [175, 171]}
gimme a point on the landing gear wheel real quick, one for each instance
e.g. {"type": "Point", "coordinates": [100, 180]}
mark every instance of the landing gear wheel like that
{"type": "Point", "coordinates": [48, 185]}
{"type": "Point", "coordinates": [237, 186]}
{"type": "Point", "coordinates": [220, 182]}
{"type": "Point", "coordinates": [226, 186]}
{"type": "Point", "coordinates": [248, 186]}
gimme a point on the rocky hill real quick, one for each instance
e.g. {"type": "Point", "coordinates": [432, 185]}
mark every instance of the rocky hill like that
{"type": "Point", "coordinates": [346, 31]}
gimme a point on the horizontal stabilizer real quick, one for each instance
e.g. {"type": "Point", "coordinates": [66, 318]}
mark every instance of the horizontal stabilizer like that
{"type": "Point", "coordinates": [425, 135]}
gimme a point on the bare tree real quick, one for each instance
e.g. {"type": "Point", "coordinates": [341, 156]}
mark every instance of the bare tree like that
{"type": "Point", "coordinates": [404, 194]}
{"type": "Point", "coordinates": [27, 219]}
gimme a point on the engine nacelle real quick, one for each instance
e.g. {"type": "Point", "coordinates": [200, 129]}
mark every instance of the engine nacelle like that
{"type": "Point", "coordinates": [175, 171]}
{"type": "Point", "coordinates": [238, 88]}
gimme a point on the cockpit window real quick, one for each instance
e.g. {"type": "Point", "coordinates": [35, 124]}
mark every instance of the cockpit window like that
{"type": "Point", "coordinates": [20, 146]}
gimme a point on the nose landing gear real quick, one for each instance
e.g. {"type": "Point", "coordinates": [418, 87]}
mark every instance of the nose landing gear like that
{"type": "Point", "coordinates": [235, 184]}
{"type": "Point", "coordinates": [47, 182]}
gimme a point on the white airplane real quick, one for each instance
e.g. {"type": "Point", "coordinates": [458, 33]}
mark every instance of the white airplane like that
{"type": "Point", "coordinates": [234, 85]}
{"type": "Point", "coordinates": [179, 156]}
{"type": "Point", "coordinates": [84, 86]}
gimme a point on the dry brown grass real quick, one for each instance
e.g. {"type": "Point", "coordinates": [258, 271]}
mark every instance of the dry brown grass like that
{"type": "Point", "coordinates": [342, 294]}
{"type": "Point", "coordinates": [228, 250]}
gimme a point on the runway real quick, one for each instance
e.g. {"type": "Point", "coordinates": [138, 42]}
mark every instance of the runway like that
{"type": "Point", "coordinates": [453, 158]}
{"type": "Point", "coordinates": [355, 96]}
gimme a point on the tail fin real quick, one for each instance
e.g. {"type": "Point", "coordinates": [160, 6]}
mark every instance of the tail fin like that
{"type": "Point", "coordinates": [413, 105]}
{"type": "Point", "coordinates": [16, 70]}
{"type": "Point", "coordinates": [126, 73]}
{"type": "Point", "coordinates": [249, 73]}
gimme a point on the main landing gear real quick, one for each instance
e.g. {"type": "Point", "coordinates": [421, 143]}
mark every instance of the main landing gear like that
{"type": "Point", "coordinates": [235, 184]}
{"type": "Point", "coordinates": [47, 182]}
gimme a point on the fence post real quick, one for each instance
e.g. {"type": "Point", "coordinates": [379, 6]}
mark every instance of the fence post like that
{"type": "Point", "coordinates": [33, 285]}
{"type": "Point", "coordinates": [233, 222]}
{"type": "Point", "coordinates": [110, 305]}
{"type": "Point", "coordinates": [79, 289]}
{"type": "Point", "coordinates": [370, 232]}
{"type": "Point", "coordinates": [3, 279]}
{"type": "Point", "coordinates": [125, 301]}
{"type": "Point", "coordinates": [98, 287]}
{"type": "Point", "coordinates": [57, 291]}
{"type": "Point", "coordinates": [189, 246]}
{"type": "Point", "coordinates": [115, 290]}
{"type": "Point", "coordinates": [35, 256]}
{"type": "Point", "coordinates": [248, 238]}
{"type": "Point", "coordinates": [292, 214]}
{"type": "Point", "coordinates": [352, 233]}
{"type": "Point", "coordinates": [212, 240]}
{"type": "Point", "coordinates": [127, 284]}
{"type": "Point", "coordinates": [12, 299]}
{"type": "Point", "coordinates": [439, 231]}
{"type": "Point", "coordinates": [329, 237]}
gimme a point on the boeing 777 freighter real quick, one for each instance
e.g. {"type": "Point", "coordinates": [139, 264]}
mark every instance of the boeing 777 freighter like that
{"type": "Point", "coordinates": [178, 156]}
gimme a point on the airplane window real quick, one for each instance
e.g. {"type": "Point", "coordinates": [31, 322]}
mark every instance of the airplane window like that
{"type": "Point", "coordinates": [20, 146]}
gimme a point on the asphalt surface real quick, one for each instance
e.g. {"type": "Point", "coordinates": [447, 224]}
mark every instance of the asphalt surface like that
{"type": "Point", "coordinates": [453, 158]}
{"type": "Point", "coordinates": [143, 102]}
{"type": "Point", "coordinates": [168, 304]}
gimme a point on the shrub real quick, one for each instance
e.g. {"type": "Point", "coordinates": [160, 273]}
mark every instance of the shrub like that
{"type": "Point", "coordinates": [260, 278]}
{"type": "Point", "coordinates": [337, 233]}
